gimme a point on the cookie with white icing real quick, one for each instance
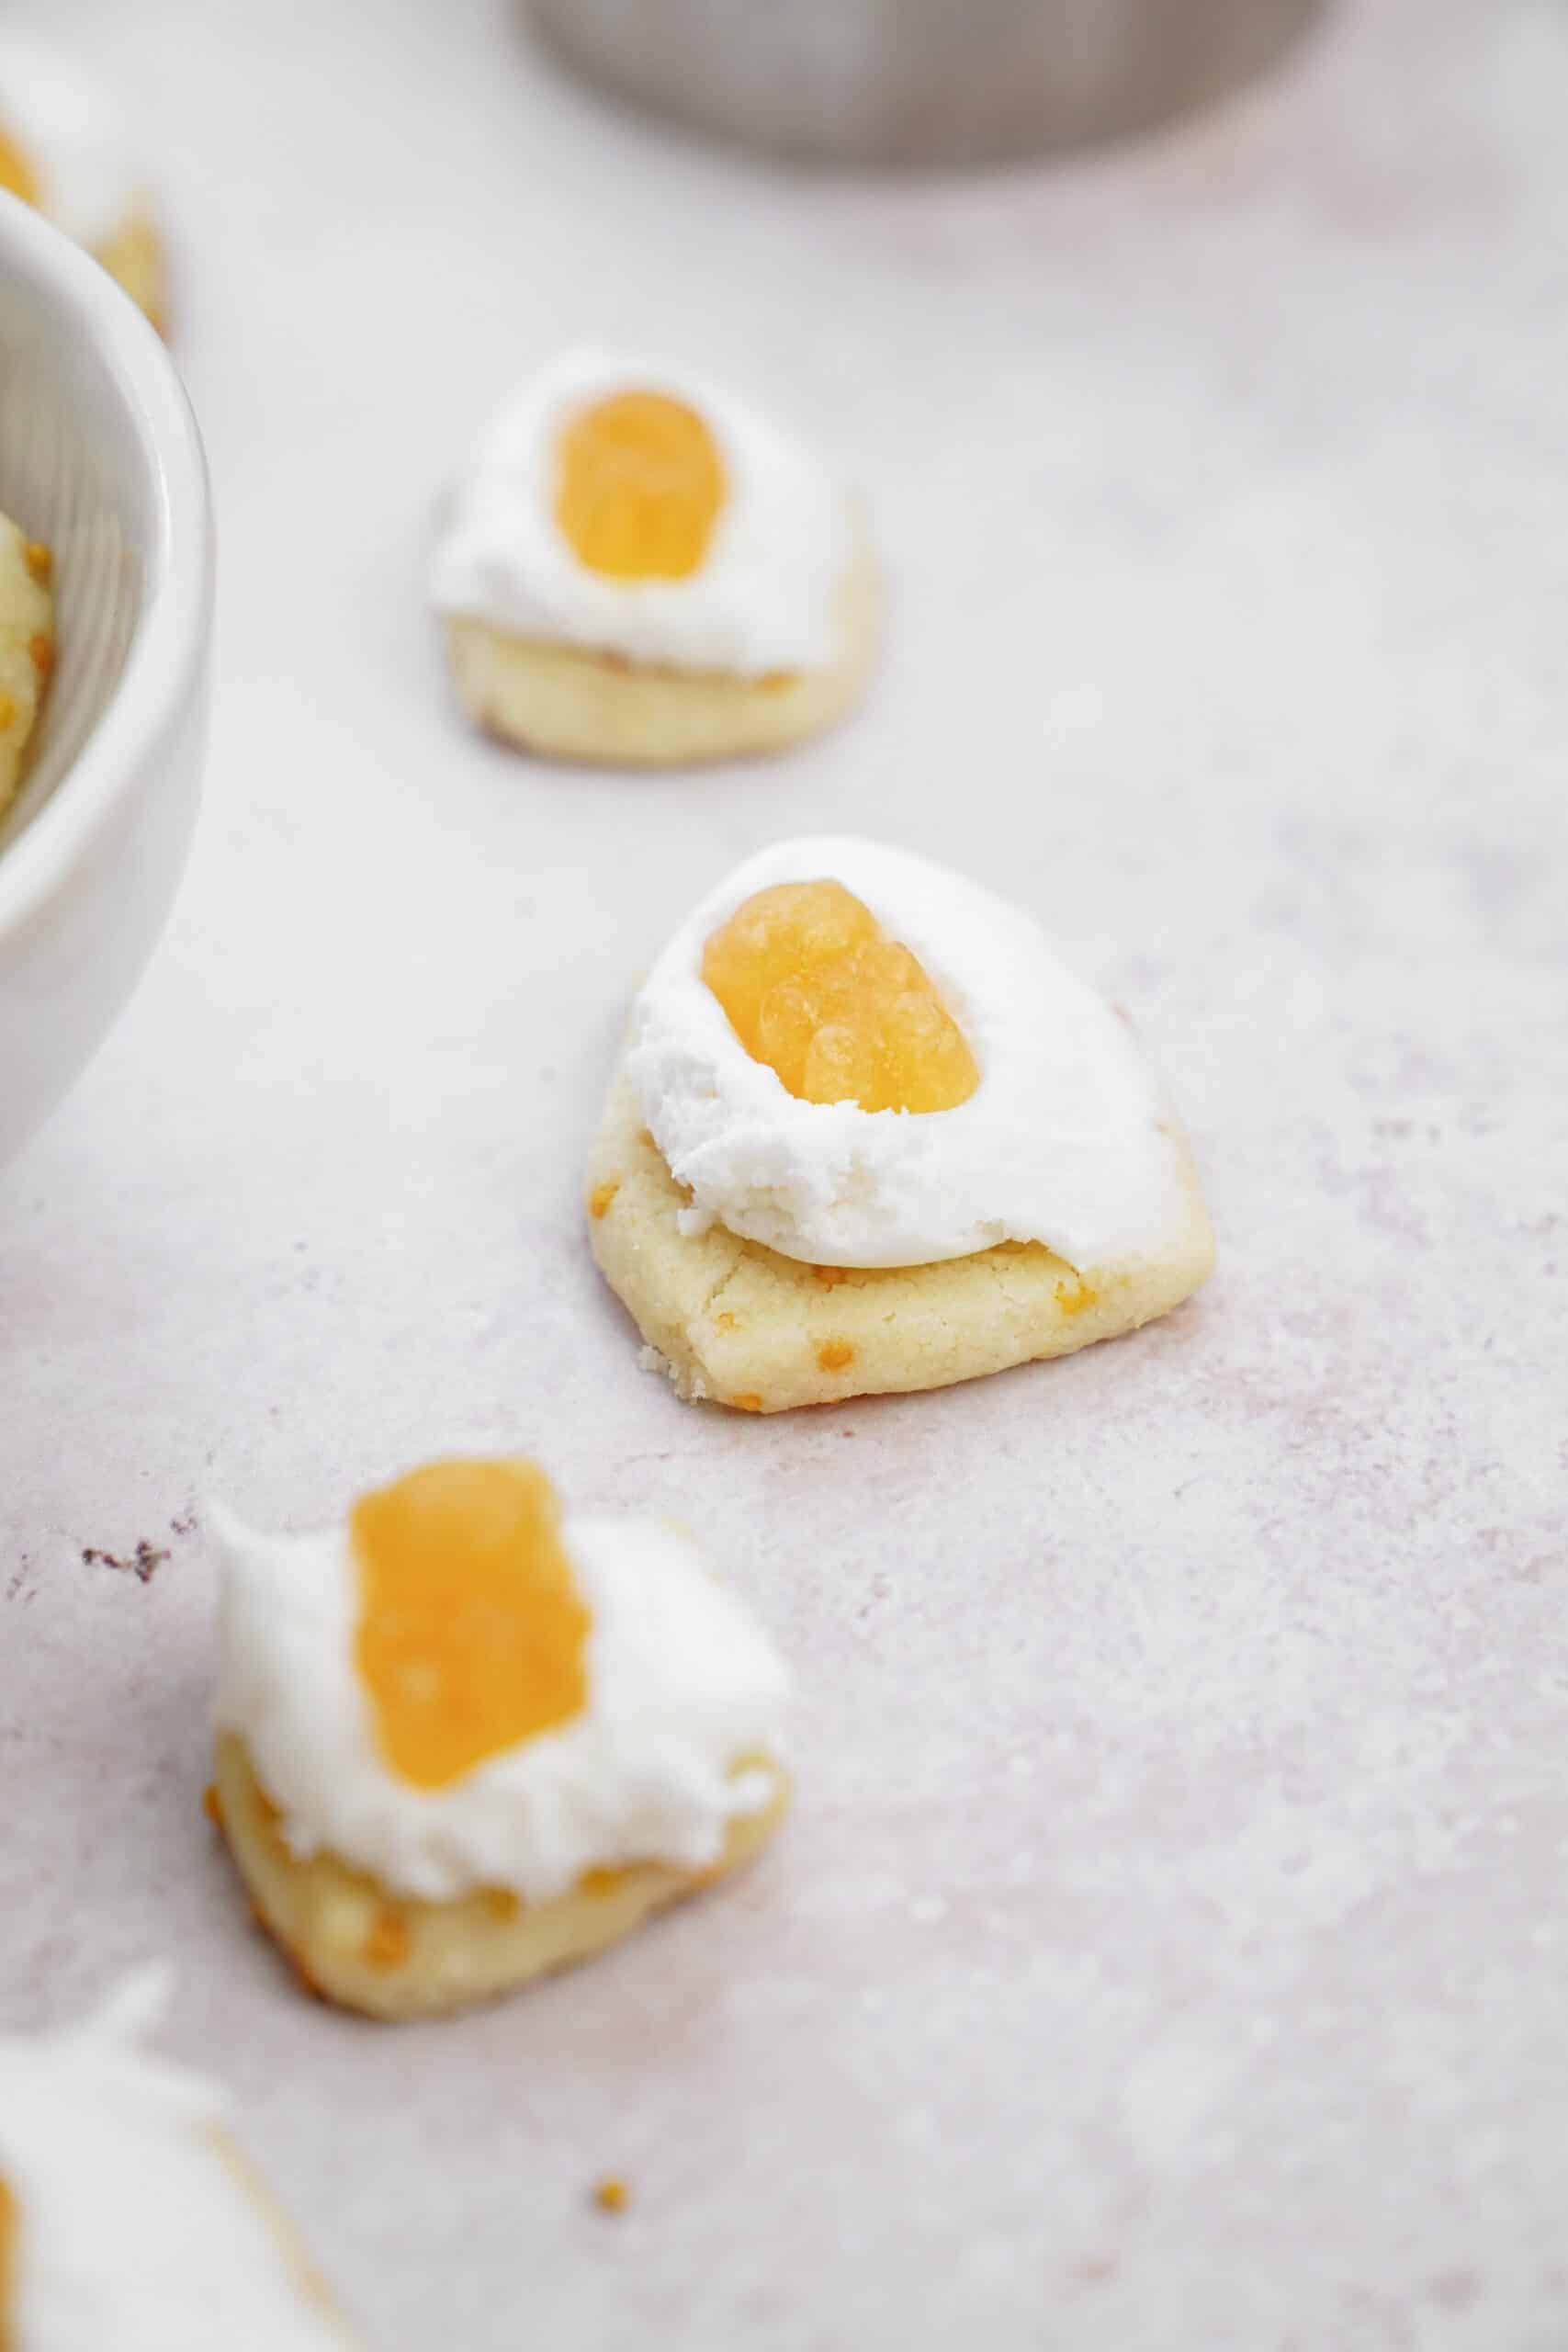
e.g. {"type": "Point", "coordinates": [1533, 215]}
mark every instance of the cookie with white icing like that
{"type": "Point", "coordinates": [464, 1740]}
{"type": "Point", "coordinates": [641, 567]}
{"type": "Point", "coordinates": [66, 150]}
{"type": "Point", "coordinates": [869, 1134]}
{"type": "Point", "coordinates": [128, 2218]}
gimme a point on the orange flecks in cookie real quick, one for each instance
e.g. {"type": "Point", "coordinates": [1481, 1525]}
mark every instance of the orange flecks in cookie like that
{"type": "Point", "coordinates": [601, 1882]}
{"type": "Point", "coordinates": [834, 1354]}
{"type": "Point", "coordinates": [750, 1402]}
{"type": "Point", "coordinates": [830, 1276]}
{"type": "Point", "coordinates": [600, 1198]}
{"type": "Point", "coordinates": [41, 648]}
{"type": "Point", "coordinates": [386, 1945]}
{"type": "Point", "coordinates": [471, 1631]}
{"type": "Point", "coordinates": [725, 1321]}
{"type": "Point", "coordinates": [501, 1903]}
{"type": "Point", "coordinates": [17, 175]}
{"type": "Point", "coordinates": [610, 2195]}
{"type": "Point", "coordinates": [813, 986]}
{"type": "Point", "coordinates": [212, 1804]}
{"type": "Point", "coordinates": [38, 559]}
{"type": "Point", "coordinates": [775, 682]}
{"type": "Point", "coordinates": [7, 711]}
{"type": "Point", "coordinates": [639, 484]}
{"type": "Point", "coordinates": [1073, 1296]}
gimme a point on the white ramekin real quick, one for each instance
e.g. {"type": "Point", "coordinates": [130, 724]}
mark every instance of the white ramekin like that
{"type": "Point", "coordinates": [100, 458]}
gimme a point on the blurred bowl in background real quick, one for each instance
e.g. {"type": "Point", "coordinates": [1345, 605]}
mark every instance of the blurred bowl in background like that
{"type": "Point", "coordinates": [919, 83]}
{"type": "Point", "coordinates": [100, 458]}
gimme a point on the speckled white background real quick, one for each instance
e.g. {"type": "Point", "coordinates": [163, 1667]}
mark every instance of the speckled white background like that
{"type": "Point", "coordinates": [1170, 1950]}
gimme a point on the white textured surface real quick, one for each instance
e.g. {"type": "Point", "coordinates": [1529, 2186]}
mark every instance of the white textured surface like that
{"type": "Point", "coordinates": [1168, 1950]}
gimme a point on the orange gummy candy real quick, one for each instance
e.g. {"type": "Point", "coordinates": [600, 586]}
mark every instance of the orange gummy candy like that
{"type": "Point", "coordinates": [472, 1629]}
{"type": "Point", "coordinates": [813, 986]}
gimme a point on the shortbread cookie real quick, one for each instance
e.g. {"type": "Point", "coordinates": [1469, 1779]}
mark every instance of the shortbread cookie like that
{"type": "Point", "coordinates": [821, 1174]}
{"type": "Point", "coordinates": [734, 1323]}
{"type": "Point", "coordinates": [465, 1742]}
{"type": "Point", "coordinates": [26, 648]}
{"type": "Point", "coordinates": [353, 1941]}
{"type": "Point", "coordinates": [128, 2218]}
{"type": "Point", "coordinates": [65, 150]}
{"type": "Point", "coordinates": [642, 571]}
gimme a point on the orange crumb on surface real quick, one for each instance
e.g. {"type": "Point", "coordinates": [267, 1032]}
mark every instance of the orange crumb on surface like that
{"type": "Point", "coordinates": [610, 2195]}
{"type": "Point", "coordinates": [639, 486]}
{"type": "Point", "coordinates": [212, 1804]}
{"type": "Point", "coordinates": [38, 559]}
{"type": "Point", "coordinates": [386, 1945]}
{"type": "Point", "coordinates": [814, 988]}
{"type": "Point", "coordinates": [834, 1354]}
{"type": "Point", "coordinates": [471, 1632]}
{"type": "Point", "coordinates": [501, 1903]}
{"type": "Point", "coordinates": [599, 1199]}
{"type": "Point", "coordinates": [41, 648]}
{"type": "Point", "coordinates": [750, 1402]}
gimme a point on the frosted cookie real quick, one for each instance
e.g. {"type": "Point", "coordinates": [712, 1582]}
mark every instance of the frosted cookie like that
{"type": "Point", "coordinates": [128, 2218]}
{"type": "Point", "coordinates": [463, 1741]}
{"type": "Point", "coordinates": [27, 650]}
{"type": "Point", "coordinates": [63, 149]}
{"type": "Point", "coordinates": [870, 1134]}
{"type": "Point", "coordinates": [641, 568]}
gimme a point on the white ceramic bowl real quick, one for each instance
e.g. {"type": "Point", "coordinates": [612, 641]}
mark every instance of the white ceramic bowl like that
{"type": "Point", "coordinates": [100, 458]}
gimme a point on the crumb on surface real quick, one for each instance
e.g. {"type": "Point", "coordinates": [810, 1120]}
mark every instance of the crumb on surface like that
{"type": "Point", "coordinates": [142, 1564]}
{"type": "Point", "coordinates": [610, 2195]}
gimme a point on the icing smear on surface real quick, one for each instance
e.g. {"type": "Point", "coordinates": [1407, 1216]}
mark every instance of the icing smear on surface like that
{"type": "Point", "coordinates": [1064, 1141]}
{"type": "Point", "coordinates": [683, 1693]}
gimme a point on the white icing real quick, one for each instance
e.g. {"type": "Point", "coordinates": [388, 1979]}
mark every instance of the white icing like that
{"type": "Point", "coordinates": [133, 2228]}
{"type": "Point", "coordinates": [73, 137]}
{"type": "Point", "coordinates": [682, 1685]}
{"type": "Point", "coordinates": [1064, 1141]}
{"type": "Point", "coordinates": [762, 598]}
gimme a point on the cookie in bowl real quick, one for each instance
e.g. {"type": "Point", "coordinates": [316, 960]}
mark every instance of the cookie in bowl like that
{"type": "Point", "coordinates": [466, 1739]}
{"type": "Point", "coordinates": [641, 567]}
{"type": "Point", "coordinates": [65, 149]}
{"type": "Point", "coordinates": [128, 2216]}
{"type": "Point", "coordinates": [27, 647]}
{"type": "Point", "coordinates": [870, 1134]}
